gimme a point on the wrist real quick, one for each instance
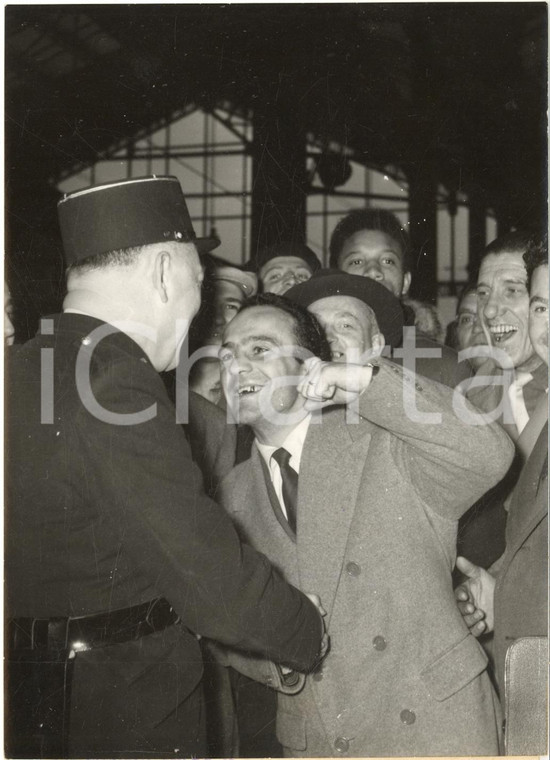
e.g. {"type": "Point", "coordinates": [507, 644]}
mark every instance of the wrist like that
{"type": "Point", "coordinates": [371, 370]}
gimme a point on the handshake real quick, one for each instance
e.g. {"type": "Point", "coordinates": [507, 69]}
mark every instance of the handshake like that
{"type": "Point", "coordinates": [325, 640]}
{"type": "Point", "coordinates": [272, 674]}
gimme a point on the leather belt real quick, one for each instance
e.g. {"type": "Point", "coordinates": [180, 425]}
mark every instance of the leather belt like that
{"type": "Point", "coordinates": [79, 634]}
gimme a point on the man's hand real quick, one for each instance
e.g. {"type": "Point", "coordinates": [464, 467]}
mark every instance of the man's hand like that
{"type": "Point", "coordinates": [330, 383]}
{"type": "Point", "coordinates": [475, 597]}
{"type": "Point", "coordinates": [325, 641]}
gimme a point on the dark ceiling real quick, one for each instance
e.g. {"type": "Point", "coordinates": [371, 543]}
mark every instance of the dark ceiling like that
{"type": "Point", "coordinates": [460, 88]}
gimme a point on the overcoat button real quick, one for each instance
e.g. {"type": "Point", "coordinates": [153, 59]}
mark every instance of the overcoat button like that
{"type": "Point", "coordinates": [341, 744]}
{"type": "Point", "coordinates": [407, 717]}
{"type": "Point", "coordinates": [353, 569]}
{"type": "Point", "coordinates": [86, 341]}
{"type": "Point", "coordinates": [379, 643]}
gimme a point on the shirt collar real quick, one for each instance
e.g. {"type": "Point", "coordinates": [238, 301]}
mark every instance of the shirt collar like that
{"type": "Point", "coordinates": [293, 443]}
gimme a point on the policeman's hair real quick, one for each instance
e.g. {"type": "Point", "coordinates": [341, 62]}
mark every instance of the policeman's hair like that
{"type": "Point", "coordinates": [536, 255]}
{"type": "Point", "coordinates": [121, 257]}
{"type": "Point", "coordinates": [307, 330]}
{"type": "Point", "coordinates": [377, 219]}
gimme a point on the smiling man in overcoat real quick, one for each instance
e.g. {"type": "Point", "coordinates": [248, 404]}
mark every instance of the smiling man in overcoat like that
{"type": "Point", "coordinates": [363, 508]}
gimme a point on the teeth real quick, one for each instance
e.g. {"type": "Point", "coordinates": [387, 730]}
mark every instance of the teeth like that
{"type": "Point", "coordinates": [248, 389]}
{"type": "Point", "coordinates": [502, 332]}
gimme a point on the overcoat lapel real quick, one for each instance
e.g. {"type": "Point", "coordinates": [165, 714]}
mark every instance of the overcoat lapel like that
{"type": "Point", "coordinates": [330, 475]}
{"type": "Point", "coordinates": [530, 501]}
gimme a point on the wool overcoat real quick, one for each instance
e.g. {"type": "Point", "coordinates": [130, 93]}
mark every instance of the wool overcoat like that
{"type": "Point", "coordinates": [379, 497]}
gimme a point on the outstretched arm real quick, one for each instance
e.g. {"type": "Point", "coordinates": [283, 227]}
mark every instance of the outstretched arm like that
{"type": "Point", "coordinates": [449, 461]}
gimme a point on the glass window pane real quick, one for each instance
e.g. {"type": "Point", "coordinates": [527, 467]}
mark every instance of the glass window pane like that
{"type": "Point", "coordinates": [76, 182]}
{"type": "Point", "coordinates": [109, 171]}
{"type": "Point", "coordinates": [189, 130]}
{"type": "Point", "coordinates": [491, 227]}
{"type": "Point", "coordinates": [314, 204]}
{"type": "Point", "coordinates": [461, 243]}
{"type": "Point", "coordinates": [230, 232]}
{"type": "Point", "coordinates": [189, 171]}
{"type": "Point", "coordinates": [228, 173]}
{"type": "Point", "coordinates": [227, 206]}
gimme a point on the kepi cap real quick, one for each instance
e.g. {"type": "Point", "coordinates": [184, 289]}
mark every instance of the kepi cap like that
{"type": "Point", "coordinates": [332, 282]}
{"type": "Point", "coordinates": [126, 214]}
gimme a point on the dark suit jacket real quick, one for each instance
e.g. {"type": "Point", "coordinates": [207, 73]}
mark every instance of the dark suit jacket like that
{"type": "Point", "coordinates": [104, 516]}
{"type": "Point", "coordinates": [482, 529]}
{"type": "Point", "coordinates": [521, 593]}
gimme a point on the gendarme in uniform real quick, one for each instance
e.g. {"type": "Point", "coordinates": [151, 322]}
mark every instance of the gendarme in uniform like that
{"type": "Point", "coordinates": [115, 558]}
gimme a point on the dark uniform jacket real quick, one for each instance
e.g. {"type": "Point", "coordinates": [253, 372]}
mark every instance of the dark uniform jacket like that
{"type": "Point", "coordinates": [105, 515]}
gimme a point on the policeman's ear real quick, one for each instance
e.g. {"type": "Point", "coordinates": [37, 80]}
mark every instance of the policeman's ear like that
{"type": "Point", "coordinates": [378, 343]}
{"type": "Point", "coordinates": [161, 274]}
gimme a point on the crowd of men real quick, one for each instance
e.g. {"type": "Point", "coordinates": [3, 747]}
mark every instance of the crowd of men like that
{"type": "Point", "coordinates": [265, 510]}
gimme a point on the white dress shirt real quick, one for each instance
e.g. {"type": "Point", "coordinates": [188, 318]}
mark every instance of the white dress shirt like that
{"type": "Point", "coordinates": [517, 401]}
{"type": "Point", "coordinates": [293, 443]}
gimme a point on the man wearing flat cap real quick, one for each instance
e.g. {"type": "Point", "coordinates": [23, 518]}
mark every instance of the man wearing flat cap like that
{"type": "Point", "coordinates": [360, 506]}
{"type": "Point", "coordinates": [358, 315]}
{"type": "Point", "coordinates": [283, 265]}
{"type": "Point", "coordinates": [116, 561]}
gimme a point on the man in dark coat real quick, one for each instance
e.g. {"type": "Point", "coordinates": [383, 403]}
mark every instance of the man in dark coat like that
{"type": "Point", "coordinates": [508, 385]}
{"type": "Point", "coordinates": [512, 599]}
{"type": "Point", "coordinates": [116, 561]}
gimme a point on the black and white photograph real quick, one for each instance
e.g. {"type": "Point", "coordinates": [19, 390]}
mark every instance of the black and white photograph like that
{"type": "Point", "coordinates": [275, 379]}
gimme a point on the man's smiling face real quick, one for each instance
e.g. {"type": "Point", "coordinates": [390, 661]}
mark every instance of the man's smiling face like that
{"type": "Point", "coordinates": [538, 320]}
{"type": "Point", "coordinates": [503, 306]}
{"type": "Point", "coordinates": [258, 368]}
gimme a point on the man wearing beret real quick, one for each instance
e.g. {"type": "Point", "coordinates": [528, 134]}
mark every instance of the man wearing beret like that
{"type": "Point", "coordinates": [116, 561]}
{"type": "Point", "coordinates": [360, 501]}
{"type": "Point", "coordinates": [283, 265]}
